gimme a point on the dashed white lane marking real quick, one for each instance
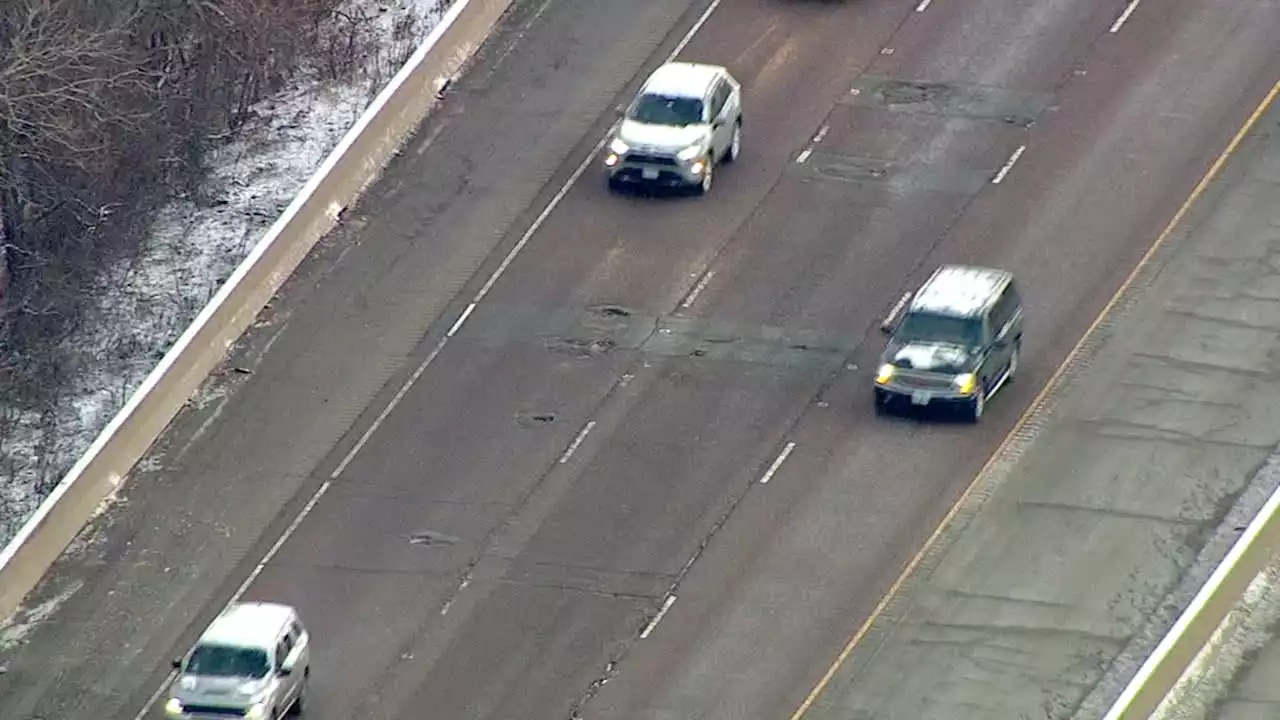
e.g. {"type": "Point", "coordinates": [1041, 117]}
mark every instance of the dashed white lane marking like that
{"type": "Point", "coordinates": [924, 5]}
{"type": "Point", "coordinates": [697, 289]}
{"type": "Point", "coordinates": [1124, 16]}
{"type": "Point", "coordinates": [573, 447]}
{"type": "Point", "coordinates": [666, 605]}
{"type": "Point", "coordinates": [804, 155]}
{"type": "Point", "coordinates": [1004, 170]}
{"type": "Point", "coordinates": [431, 357]}
{"type": "Point", "coordinates": [822, 132]}
{"type": "Point", "coordinates": [777, 463]}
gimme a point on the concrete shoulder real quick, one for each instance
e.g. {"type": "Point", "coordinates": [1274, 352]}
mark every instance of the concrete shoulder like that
{"type": "Point", "coordinates": [1100, 520]}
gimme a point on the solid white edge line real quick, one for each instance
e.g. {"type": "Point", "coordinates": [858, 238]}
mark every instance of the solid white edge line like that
{"type": "Point", "coordinates": [220, 297]}
{"type": "Point", "coordinates": [1124, 16]}
{"type": "Point", "coordinates": [577, 173]}
{"type": "Point", "coordinates": [461, 319]}
{"type": "Point", "coordinates": [446, 21]}
{"type": "Point", "coordinates": [666, 605]}
{"type": "Point", "coordinates": [432, 38]}
{"type": "Point", "coordinates": [777, 463]}
{"type": "Point", "coordinates": [244, 586]}
{"type": "Point", "coordinates": [1188, 616]}
{"type": "Point", "coordinates": [386, 411]}
{"type": "Point", "coordinates": [1008, 166]}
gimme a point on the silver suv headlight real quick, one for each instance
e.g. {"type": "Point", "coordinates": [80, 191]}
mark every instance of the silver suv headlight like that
{"type": "Point", "coordinates": [617, 147]}
{"type": "Point", "coordinates": [690, 153]}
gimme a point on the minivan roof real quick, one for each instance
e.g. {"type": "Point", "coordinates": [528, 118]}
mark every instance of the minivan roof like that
{"type": "Point", "coordinates": [960, 290]}
{"type": "Point", "coordinates": [248, 624]}
{"type": "Point", "coordinates": [682, 79]}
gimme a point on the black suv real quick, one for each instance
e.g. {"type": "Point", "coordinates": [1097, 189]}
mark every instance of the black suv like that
{"type": "Point", "coordinates": [955, 341]}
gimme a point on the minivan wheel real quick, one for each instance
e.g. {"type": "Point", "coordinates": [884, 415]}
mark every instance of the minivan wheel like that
{"type": "Point", "coordinates": [300, 704]}
{"type": "Point", "coordinates": [735, 143]}
{"type": "Point", "coordinates": [704, 186]}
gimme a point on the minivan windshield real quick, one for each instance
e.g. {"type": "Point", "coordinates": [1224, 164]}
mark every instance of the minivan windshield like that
{"type": "Point", "coordinates": [927, 327]}
{"type": "Point", "coordinates": [666, 110]}
{"type": "Point", "coordinates": [225, 661]}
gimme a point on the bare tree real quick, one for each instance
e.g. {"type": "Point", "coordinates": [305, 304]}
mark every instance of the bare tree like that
{"type": "Point", "coordinates": [107, 109]}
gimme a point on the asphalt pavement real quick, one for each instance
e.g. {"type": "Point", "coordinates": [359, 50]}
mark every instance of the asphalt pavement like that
{"type": "Point", "coordinates": [583, 456]}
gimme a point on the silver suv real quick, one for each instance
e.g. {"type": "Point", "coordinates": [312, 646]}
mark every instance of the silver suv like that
{"type": "Point", "coordinates": [685, 120]}
{"type": "Point", "coordinates": [253, 662]}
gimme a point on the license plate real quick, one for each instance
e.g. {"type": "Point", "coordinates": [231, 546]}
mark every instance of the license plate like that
{"type": "Point", "coordinates": [649, 173]}
{"type": "Point", "coordinates": [920, 397]}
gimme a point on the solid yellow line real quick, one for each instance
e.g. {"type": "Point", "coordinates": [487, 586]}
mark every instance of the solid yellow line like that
{"type": "Point", "coordinates": [1049, 387]}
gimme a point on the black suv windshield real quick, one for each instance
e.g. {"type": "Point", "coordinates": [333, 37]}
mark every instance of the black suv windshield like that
{"type": "Point", "coordinates": [664, 110]}
{"type": "Point", "coordinates": [223, 661]}
{"type": "Point", "coordinates": [924, 327]}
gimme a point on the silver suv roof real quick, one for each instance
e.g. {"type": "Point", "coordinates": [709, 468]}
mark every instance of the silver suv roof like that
{"type": "Point", "coordinates": [249, 625]}
{"type": "Point", "coordinates": [960, 290]}
{"type": "Point", "coordinates": [682, 79]}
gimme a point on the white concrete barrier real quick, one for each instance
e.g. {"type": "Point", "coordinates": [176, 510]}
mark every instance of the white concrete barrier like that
{"type": "Point", "coordinates": [1251, 553]}
{"type": "Point", "coordinates": [355, 163]}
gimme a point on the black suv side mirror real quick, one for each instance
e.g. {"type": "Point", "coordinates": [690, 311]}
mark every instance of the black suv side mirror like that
{"type": "Point", "coordinates": [177, 663]}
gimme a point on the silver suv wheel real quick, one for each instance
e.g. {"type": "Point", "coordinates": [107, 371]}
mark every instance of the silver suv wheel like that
{"type": "Point", "coordinates": [735, 143]}
{"type": "Point", "coordinates": [704, 187]}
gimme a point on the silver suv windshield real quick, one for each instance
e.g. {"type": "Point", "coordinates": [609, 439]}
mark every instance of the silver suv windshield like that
{"type": "Point", "coordinates": [223, 661]}
{"type": "Point", "coordinates": [666, 110]}
{"type": "Point", "coordinates": [927, 327]}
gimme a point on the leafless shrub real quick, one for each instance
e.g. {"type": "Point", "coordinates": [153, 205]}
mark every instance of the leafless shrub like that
{"type": "Point", "coordinates": [107, 109]}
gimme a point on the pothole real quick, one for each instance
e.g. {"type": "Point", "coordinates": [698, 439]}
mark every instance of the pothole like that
{"type": "Point", "coordinates": [528, 419]}
{"type": "Point", "coordinates": [581, 347]}
{"type": "Point", "coordinates": [607, 310]}
{"type": "Point", "coordinates": [428, 537]}
{"type": "Point", "coordinates": [853, 170]}
{"type": "Point", "coordinates": [912, 93]}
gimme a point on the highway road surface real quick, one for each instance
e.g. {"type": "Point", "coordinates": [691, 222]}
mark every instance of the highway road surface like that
{"type": "Point", "coordinates": [513, 493]}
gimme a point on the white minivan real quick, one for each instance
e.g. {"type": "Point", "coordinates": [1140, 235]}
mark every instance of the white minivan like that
{"type": "Point", "coordinates": [253, 661]}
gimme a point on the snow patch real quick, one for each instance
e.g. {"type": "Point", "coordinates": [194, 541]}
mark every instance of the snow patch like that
{"type": "Point", "coordinates": [15, 631]}
{"type": "Point", "coordinates": [191, 249]}
{"type": "Point", "coordinates": [1245, 629]}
